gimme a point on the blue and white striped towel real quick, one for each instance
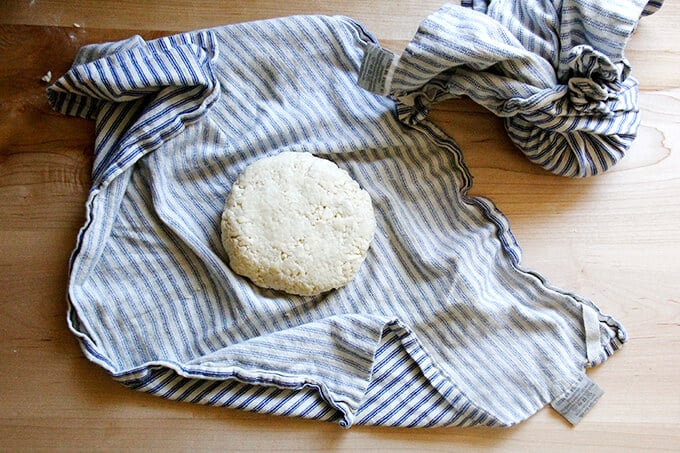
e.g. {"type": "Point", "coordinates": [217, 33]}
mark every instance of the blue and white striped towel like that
{"type": "Point", "coordinates": [441, 326]}
{"type": "Point", "coordinates": [555, 71]}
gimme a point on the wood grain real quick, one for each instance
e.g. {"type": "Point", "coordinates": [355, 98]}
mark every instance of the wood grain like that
{"type": "Point", "coordinates": [613, 238]}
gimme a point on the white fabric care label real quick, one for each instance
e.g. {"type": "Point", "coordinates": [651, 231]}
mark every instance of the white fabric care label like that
{"type": "Point", "coordinates": [591, 327]}
{"type": "Point", "coordinates": [377, 68]}
{"type": "Point", "coordinates": [578, 400]}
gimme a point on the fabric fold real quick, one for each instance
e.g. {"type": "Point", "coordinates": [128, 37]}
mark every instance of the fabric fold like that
{"type": "Point", "coordinates": [145, 94]}
{"type": "Point", "coordinates": [554, 71]}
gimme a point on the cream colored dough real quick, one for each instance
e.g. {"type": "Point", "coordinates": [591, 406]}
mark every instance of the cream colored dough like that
{"type": "Point", "coordinates": [297, 223]}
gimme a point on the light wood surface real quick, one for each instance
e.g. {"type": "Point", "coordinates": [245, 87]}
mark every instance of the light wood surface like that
{"type": "Point", "coordinates": [613, 238]}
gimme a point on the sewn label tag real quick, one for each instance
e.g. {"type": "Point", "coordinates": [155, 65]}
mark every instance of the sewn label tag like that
{"type": "Point", "coordinates": [591, 327]}
{"type": "Point", "coordinates": [377, 68]}
{"type": "Point", "coordinates": [574, 404]}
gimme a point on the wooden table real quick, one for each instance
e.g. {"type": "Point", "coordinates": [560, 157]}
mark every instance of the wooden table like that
{"type": "Point", "coordinates": [613, 238]}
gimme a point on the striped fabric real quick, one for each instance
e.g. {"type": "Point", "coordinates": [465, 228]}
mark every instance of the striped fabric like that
{"type": "Point", "coordinates": [555, 71]}
{"type": "Point", "coordinates": [441, 326]}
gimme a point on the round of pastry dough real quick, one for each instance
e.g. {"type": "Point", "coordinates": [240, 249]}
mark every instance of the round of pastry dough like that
{"type": "Point", "coordinates": [297, 223]}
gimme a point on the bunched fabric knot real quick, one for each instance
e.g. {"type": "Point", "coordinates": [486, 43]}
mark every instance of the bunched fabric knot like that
{"type": "Point", "coordinates": [555, 71]}
{"type": "Point", "coordinates": [582, 126]}
{"type": "Point", "coordinates": [594, 80]}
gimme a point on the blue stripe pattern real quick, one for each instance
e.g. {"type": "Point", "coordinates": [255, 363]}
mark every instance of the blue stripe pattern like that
{"type": "Point", "coordinates": [441, 326]}
{"type": "Point", "coordinates": [554, 71]}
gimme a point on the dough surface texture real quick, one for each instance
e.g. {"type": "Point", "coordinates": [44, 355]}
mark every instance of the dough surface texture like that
{"type": "Point", "coordinates": [297, 223]}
